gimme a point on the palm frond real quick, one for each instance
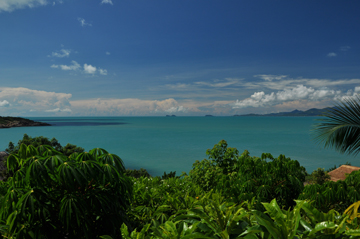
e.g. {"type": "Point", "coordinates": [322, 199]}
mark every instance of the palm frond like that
{"type": "Point", "coordinates": [340, 129]}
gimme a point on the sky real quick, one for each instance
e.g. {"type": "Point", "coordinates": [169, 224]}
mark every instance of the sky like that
{"type": "Point", "coordinates": [187, 58]}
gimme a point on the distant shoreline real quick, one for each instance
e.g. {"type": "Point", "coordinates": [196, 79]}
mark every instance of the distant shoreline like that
{"type": "Point", "coordinates": [10, 122]}
{"type": "Point", "coordinates": [310, 112]}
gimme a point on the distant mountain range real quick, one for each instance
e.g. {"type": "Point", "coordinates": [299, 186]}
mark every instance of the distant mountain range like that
{"type": "Point", "coordinates": [310, 112]}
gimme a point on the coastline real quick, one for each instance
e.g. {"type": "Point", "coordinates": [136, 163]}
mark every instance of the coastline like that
{"type": "Point", "coordinates": [10, 122]}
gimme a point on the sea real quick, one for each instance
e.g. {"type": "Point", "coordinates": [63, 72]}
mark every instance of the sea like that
{"type": "Point", "coordinates": [165, 144]}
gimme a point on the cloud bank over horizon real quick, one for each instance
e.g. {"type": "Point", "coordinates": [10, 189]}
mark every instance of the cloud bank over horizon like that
{"type": "Point", "coordinates": [27, 102]}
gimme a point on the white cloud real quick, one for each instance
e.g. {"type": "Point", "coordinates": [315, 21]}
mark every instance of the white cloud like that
{"type": "Point", "coordinates": [103, 71]}
{"type": "Point", "coordinates": [219, 83]}
{"type": "Point", "coordinates": [4, 103]}
{"type": "Point", "coordinates": [83, 23]}
{"type": "Point", "coordinates": [345, 48]}
{"type": "Point", "coordinates": [59, 110]}
{"type": "Point", "coordinates": [24, 99]}
{"type": "Point", "coordinates": [72, 67]}
{"type": "Point", "coordinates": [89, 69]}
{"type": "Point", "coordinates": [106, 1]}
{"type": "Point", "coordinates": [332, 54]}
{"type": "Point", "coordinates": [271, 77]}
{"type": "Point", "coordinates": [280, 82]}
{"type": "Point", "coordinates": [178, 86]}
{"type": "Point", "coordinates": [58, 1]}
{"type": "Point", "coordinates": [107, 53]}
{"type": "Point", "coordinates": [11, 5]}
{"type": "Point", "coordinates": [300, 92]}
{"type": "Point", "coordinates": [227, 83]}
{"type": "Point", "coordinates": [62, 53]}
{"type": "Point", "coordinates": [128, 106]}
{"type": "Point", "coordinates": [176, 109]}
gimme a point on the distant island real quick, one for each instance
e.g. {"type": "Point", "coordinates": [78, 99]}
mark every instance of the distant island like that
{"type": "Point", "coordinates": [310, 112]}
{"type": "Point", "coordinates": [170, 115]}
{"type": "Point", "coordinates": [9, 122]}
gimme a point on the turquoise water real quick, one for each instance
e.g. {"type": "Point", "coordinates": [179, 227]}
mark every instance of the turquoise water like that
{"type": "Point", "coordinates": [161, 144]}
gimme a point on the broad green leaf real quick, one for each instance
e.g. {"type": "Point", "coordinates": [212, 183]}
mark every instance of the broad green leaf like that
{"type": "Point", "coordinates": [265, 221]}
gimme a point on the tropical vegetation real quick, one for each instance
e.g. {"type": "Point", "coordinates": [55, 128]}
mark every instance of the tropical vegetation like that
{"type": "Point", "coordinates": [52, 194]}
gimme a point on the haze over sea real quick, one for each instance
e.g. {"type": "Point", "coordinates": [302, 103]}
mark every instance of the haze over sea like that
{"type": "Point", "coordinates": [161, 144]}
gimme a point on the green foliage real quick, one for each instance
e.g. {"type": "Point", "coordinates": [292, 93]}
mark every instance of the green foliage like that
{"type": "Point", "coordinates": [169, 175]}
{"type": "Point", "coordinates": [88, 195]}
{"type": "Point", "coordinates": [137, 173]}
{"type": "Point", "coordinates": [10, 148]}
{"type": "Point", "coordinates": [223, 156]}
{"type": "Point", "coordinates": [158, 199]}
{"type": "Point", "coordinates": [280, 178]}
{"type": "Point", "coordinates": [41, 140]}
{"type": "Point", "coordinates": [68, 149]}
{"type": "Point", "coordinates": [242, 177]}
{"type": "Point", "coordinates": [51, 195]}
{"type": "Point", "coordinates": [319, 176]}
{"type": "Point", "coordinates": [334, 195]}
{"type": "Point", "coordinates": [340, 129]}
{"type": "Point", "coordinates": [205, 174]}
{"type": "Point", "coordinates": [220, 219]}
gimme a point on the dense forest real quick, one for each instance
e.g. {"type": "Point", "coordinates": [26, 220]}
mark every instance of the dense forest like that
{"type": "Point", "coordinates": [51, 191]}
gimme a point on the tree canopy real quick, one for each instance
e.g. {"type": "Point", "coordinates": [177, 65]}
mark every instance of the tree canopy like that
{"type": "Point", "coordinates": [51, 195]}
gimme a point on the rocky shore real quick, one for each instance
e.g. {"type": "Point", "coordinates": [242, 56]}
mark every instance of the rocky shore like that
{"type": "Point", "coordinates": [9, 122]}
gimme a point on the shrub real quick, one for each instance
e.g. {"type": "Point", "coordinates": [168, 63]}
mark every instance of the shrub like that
{"type": "Point", "coordinates": [51, 195]}
{"type": "Point", "coordinates": [319, 176]}
{"type": "Point", "coordinates": [244, 177]}
{"type": "Point", "coordinates": [137, 173]}
{"type": "Point", "coordinates": [41, 140]}
{"type": "Point", "coordinates": [334, 195]}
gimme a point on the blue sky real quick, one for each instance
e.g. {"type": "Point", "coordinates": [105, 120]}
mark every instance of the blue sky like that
{"type": "Point", "coordinates": [157, 57]}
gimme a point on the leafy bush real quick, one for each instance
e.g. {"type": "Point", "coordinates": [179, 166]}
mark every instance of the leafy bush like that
{"type": "Point", "coordinates": [41, 140]}
{"type": "Point", "coordinates": [319, 176]}
{"type": "Point", "coordinates": [158, 199]}
{"type": "Point", "coordinates": [334, 195]}
{"type": "Point", "coordinates": [88, 195]}
{"type": "Point", "coordinates": [51, 195]}
{"type": "Point", "coordinates": [221, 219]}
{"type": "Point", "coordinates": [169, 175]}
{"type": "Point", "coordinates": [137, 173]}
{"type": "Point", "coordinates": [242, 177]}
{"type": "Point", "coordinates": [205, 174]}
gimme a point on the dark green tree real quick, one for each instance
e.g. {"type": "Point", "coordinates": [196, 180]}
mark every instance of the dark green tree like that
{"type": "Point", "coordinates": [41, 140]}
{"type": "Point", "coordinates": [51, 195]}
{"type": "Point", "coordinates": [137, 173]}
{"type": "Point", "coordinates": [319, 176]}
{"type": "Point", "coordinates": [242, 177]}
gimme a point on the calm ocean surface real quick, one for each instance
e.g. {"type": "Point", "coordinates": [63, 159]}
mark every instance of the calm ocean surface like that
{"type": "Point", "coordinates": [161, 144]}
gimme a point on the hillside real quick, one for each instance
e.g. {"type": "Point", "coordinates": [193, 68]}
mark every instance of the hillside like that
{"type": "Point", "coordinates": [9, 122]}
{"type": "Point", "coordinates": [310, 112]}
